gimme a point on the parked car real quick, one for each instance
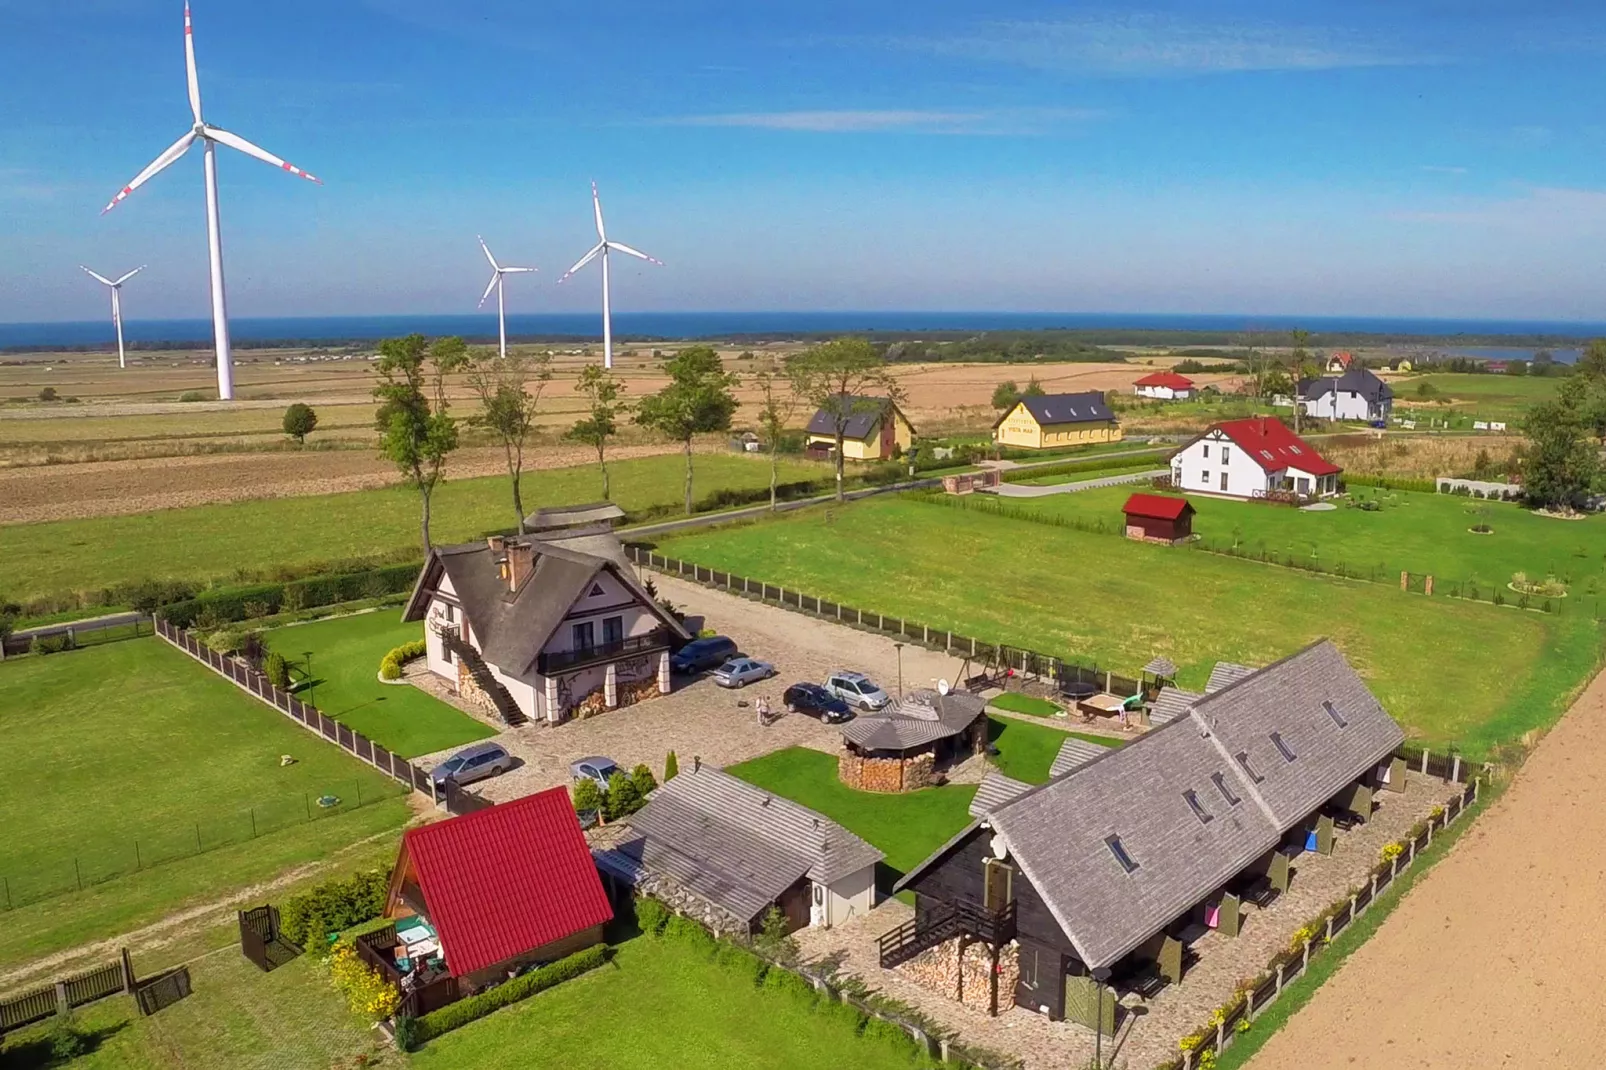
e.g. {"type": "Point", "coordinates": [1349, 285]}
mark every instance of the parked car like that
{"type": "Point", "coordinates": [596, 769]}
{"type": "Point", "coordinates": [701, 654]}
{"type": "Point", "coordinates": [816, 701]}
{"type": "Point", "coordinates": [739, 672]}
{"type": "Point", "coordinates": [857, 690]}
{"type": "Point", "coordinates": [472, 763]}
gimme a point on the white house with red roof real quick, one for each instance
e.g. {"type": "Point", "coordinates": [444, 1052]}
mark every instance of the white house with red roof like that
{"type": "Point", "coordinates": [1250, 459]}
{"type": "Point", "coordinates": [1164, 386]}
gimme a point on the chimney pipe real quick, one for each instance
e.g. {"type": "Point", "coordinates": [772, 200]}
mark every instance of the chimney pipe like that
{"type": "Point", "coordinates": [519, 562]}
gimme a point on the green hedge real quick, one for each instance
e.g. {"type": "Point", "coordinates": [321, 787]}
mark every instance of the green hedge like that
{"type": "Point", "coordinates": [232, 604]}
{"type": "Point", "coordinates": [390, 666]}
{"type": "Point", "coordinates": [308, 918]}
{"type": "Point", "coordinates": [1092, 464]}
{"type": "Point", "coordinates": [456, 1015]}
{"type": "Point", "coordinates": [1425, 486]}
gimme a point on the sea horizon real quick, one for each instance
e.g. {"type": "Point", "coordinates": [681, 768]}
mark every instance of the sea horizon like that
{"type": "Point", "coordinates": [679, 326]}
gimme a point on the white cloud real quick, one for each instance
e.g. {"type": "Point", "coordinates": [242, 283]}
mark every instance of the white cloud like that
{"type": "Point", "coordinates": [1155, 44]}
{"type": "Point", "coordinates": [986, 121]}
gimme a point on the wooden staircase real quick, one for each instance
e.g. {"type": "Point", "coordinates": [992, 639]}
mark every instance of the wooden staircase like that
{"type": "Point", "coordinates": [482, 675]}
{"type": "Point", "coordinates": [943, 924]}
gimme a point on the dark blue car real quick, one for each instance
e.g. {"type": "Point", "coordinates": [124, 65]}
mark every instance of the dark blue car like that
{"type": "Point", "coordinates": [816, 701]}
{"type": "Point", "coordinates": [700, 655]}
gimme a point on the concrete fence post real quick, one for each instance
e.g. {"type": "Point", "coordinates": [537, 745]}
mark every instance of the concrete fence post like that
{"type": "Point", "coordinates": [62, 1005]}
{"type": "Point", "coordinates": [1455, 769]}
{"type": "Point", "coordinates": [1374, 889]}
{"type": "Point", "coordinates": [1405, 581]}
{"type": "Point", "coordinates": [1427, 586]}
{"type": "Point", "coordinates": [1329, 928]}
{"type": "Point", "coordinates": [1279, 987]}
{"type": "Point", "coordinates": [1221, 1035]}
{"type": "Point", "coordinates": [1424, 761]}
{"type": "Point", "coordinates": [1249, 1005]}
{"type": "Point", "coordinates": [1352, 899]}
{"type": "Point", "coordinates": [1430, 834]}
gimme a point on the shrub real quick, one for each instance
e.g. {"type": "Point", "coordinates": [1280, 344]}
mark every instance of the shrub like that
{"type": "Point", "coordinates": [51, 644]}
{"type": "Point", "coordinates": [67, 1041]}
{"type": "Point", "coordinates": [879, 1029]}
{"type": "Point", "coordinates": [623, 797]}
{"type": "Point", "coordinates": [407, 1033]}
{"type": "Point", "coordinates": [227, 605]}
{"type": "Point", "coordinates": [224, 641]}
{"type": "Point", "coordinates": [277, 671]}
{"type": "Point", "coordinates": [334, 905]}
{"type": "Point", "coordinates": [671, 767]}
{"type": "Point", "coordinates": [779, 980]}
{"type": "Point", "coordinates": [48, 394]}
{"type": "Point", "coordinates": [299, 421]}
{"type": "Point", "coordinates": [774, 938]}
{"type": "Point", "coordinates": [741, 961]}
{"type": "Point", "coordinates": [587, 796]}
{"type": "Point", "coordinates": [390, 666]}
{"type": "Point", "coordinates": [193, 395]}
{"type": "Point", "coordinates": [688, 932]}
{"type": "Point", "coordinates": [642, 778]}
{"type": "Point", "coordinates": [651, 916]}
{"type": "Point", "coordinates": [464, 1011]}
{"type": "Point", "coordinates": [366, 992]}
{"type": "Point", "coordinates": [845, 1013]}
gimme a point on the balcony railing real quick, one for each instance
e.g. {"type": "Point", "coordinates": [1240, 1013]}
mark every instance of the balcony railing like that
{"type": "Point", "coordinates": [995, 927]}
{"type": "Point", "coordinates": [560, 661]}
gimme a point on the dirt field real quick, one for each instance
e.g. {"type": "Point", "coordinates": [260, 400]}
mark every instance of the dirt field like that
{"type": "Point", "coordinates": [1497, 958]}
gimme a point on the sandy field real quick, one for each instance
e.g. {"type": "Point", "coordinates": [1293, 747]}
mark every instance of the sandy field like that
{"type": "Point", "coordinates": [1498, 957]}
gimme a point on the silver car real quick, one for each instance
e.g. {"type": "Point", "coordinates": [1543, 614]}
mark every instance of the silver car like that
{"type": "Point", "coordinates": [596, 769]}
{"type": "Point", "coordinates": [739, 672]}
{"type": "Point", "coordinates": [857, 690]}
{"type": "Point", "coordinates": [472, 763]}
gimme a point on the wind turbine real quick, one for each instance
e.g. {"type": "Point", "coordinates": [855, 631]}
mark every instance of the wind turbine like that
{"type": "Point", "coordinates": [210, 137]}
{"type": "Point", "coordinates": [117, 305]}
{"type": "Point", "coordinates": [497, 271]}
{"type": "Point", "coordinates": [602, 247]}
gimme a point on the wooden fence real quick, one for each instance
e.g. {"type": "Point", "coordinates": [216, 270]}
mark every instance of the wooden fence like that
{"type": "Point", "coordinates": [61, 996]}
{"type": "Point", "coordinates": [976, 650]}
{"type": "Point", "coordinates": [1217, 1035]}
{"type": "Point", "coordinates": [261, 940]}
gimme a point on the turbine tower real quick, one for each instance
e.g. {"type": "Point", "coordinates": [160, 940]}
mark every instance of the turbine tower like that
{"type": "Point", "coordinates": [602, 247]}
{"type": "Point", "coordinates": [210, 137]}
{"type": "Point", "coordinates": [117, 305]}
{"type": "Point", "coordinates": [497, 271]}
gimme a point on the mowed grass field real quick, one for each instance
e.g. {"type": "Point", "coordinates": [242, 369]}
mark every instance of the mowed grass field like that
{"type": "Point", "coordinates": [1451, 672]}
{"type": "Point", "coordinates": [346, 652]}
{"type": "Point", "coordinates": [1415, 532]}
{"type": "Point", "coordinates": [214, 542]}
{"type": "Point", "coordinates": [121, 758]}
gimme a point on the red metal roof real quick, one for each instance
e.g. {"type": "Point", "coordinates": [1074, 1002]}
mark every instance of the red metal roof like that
{"type": "Point", "coordinates": [1155, 507]}
{"type": "Point", "coordinates": [1171, 379]}
{"type": "Point", "coordinates": [507, 879]}
{"type": "Point", "coordinates": [1269, 443]}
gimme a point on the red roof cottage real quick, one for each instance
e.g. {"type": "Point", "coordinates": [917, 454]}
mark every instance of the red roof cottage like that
{"type": "Point", "coordinates": [1254, 458]}
{"type": "Point", "coordinates": [480, 896]}
{"type": "Point", "coordinates": [1164, 386]}
{"type": "Point", "coordinates": [1156, 518]}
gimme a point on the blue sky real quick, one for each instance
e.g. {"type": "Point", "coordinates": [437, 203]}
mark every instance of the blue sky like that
{"type": "Point", "coordinates": [1408, 158]}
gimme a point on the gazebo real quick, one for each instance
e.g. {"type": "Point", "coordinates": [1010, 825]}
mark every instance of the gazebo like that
{"type": "Point", "coordinates": [902, 747]}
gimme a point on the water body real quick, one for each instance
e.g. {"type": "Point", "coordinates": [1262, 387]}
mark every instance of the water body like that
{"type": "Point", "coordinates": [1563, 356]}
{"type": "Point", "coordinates": [682, 325]}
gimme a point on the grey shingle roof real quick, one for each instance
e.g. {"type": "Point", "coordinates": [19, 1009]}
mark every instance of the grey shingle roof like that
{"type": "Point", "coordinates": [1171, 703]}
{"type": "Point", "coordinates": [1355, 381]}
{"type": "Point", "coordinates": [864, 415]}
{"type": "Point", "coordinates": [920, 717]}
{"type": "Point", "coordinates": [995, 790]}
{"type": "Point", "coordinates": [1073, 754]}
{"type": "Point", "coordinates": [1226, 672]}
{"type": "Point", "coordinates": [1058, 833]}
{"type": "Point", "coordinates": [1163, 667]}
{"type": "Point", "coordinates": [1083, 408]}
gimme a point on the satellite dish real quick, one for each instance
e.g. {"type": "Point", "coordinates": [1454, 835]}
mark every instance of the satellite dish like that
{"type": "Point", "coordinates": [999, 848]}
{"type": "Point", "coordinates": [943, 687]}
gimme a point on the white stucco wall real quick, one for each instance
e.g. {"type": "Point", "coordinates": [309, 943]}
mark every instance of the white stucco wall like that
{"type": "Point", "coordinates": [1163, 393]}
{"type": "Point", "coordinates": [612, 599]}
{"type": "Point", "coordinates": [1198, 467]}
{"type": "Point", "coordinates": [434, 648]}
{"type": "Point", "coordinates": [851, 896]}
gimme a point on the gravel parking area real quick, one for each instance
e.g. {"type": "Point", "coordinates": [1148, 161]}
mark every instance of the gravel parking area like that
{"type": "Point", "coordinates": [700, 719]}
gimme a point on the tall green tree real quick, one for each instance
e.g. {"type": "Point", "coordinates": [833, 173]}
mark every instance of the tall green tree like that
{"type": "Point", "coordinates": [777, 405]}
{"type": "Point", "coordinates": [1560, 465]}
{"type": "Point", "coordinates": [843, 378]}
{"type": "Point", "coordinates": [697, 400]}
{"type": "Point", "coordinates": [299, 421]}
{"type": "Point", "coordinates": [1592, 361]}
{"type": "Point", "coordinates": [416, 432]}
{"type": "Point", "coordinates": [509, 389]}
{"type": "Point", "coordinates": [1034, 389]}
{"type": "Point", "coordinates": [1005, 395]}
{"type": "Point", "coordinates": [1298, 358]}
{"type": "Point", "coordinates": [601, 421]}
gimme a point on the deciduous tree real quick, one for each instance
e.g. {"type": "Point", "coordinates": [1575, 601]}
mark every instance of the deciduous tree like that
{"type": "Point", "coordinates": [697, 400]}
{"type": "Point", "coordinates": [1005, 395]}
{"type": "Point", "coordinates": [601, 421]}
{"type": "Point", "coordinates": [1560, 466]}
{"type": "Point", "coordinates": [299, 421]}
{"type": "Point", "coordinates": [415, 430]}
{"type": "Point", "coordinates": [843, 378]}
{"type": "Point", "coordinates": [509, 390]}
{"type": "Point", "coordinates": [777, 405]}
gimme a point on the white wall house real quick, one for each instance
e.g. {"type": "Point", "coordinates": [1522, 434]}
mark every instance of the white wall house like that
{"type": "Point", "coordinates": [1251, 459]}
{"type": "Point", "coordinates": [1164, 386]}
{"type": "Point", "coordinates": [530, 627]}
{"type": "Point", "coordinates": [1356, 395]}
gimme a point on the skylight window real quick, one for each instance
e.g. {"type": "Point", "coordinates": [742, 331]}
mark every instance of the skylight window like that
{"type": "Point", "coordinates": [1220, 782]}
{"type": "Point", "coordinates": [1204, 816]}
{"type": "Point", "coordinates": [1114, 844]}
{"type": "Point", "coordinates": [1242, 758]}
{"type": "Point", "coordinates": [1338, 718]}
{"type": "Point", "coordinates": [1293, 449]}
{"type": "Point", "coordinates": [1282, 747]}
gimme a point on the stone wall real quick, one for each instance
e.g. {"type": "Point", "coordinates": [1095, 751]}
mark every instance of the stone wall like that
{"type": "Point", "coordinates": [941, 970]}
{"type": "Point", "coordinates": [889, 775]}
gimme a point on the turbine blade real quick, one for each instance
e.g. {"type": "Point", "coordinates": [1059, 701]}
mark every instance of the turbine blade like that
{"type": "Point", "coordinates": [189, 63]}
{"type": "Point", "coordinates": [174, 151]}
{"type": "Point", "coordinates": [586, 259]}
{"type": "Point", "coordinates": [235, 141]}
{"type": "Point", "coordinates": [494, 265]}
{"type": "Point", "coordinates": [596, 206]}
{"type": "Point", "coordinates": [516, 270]}
{"type": "Point", "coordinates": [130, 275]}
{"type": "Point", "coordinates": [496, 276]}
{"type": "Point", "coordinates": [628, 251]}
{"type": "Point", "coordinates": [97, 276]}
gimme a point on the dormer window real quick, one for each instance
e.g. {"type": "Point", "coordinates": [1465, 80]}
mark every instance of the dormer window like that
{"type": "Point", "coordinates": [1116, 849]}
{"type": "Point", "coordinates": [1242, 758]}
{"type": "Point", "coordinates": [1220, 781]}
{"type": "Point", "coordinates": [1282, 747]}
{"type": "Point", "coordinates": [1332, 711]}
{"type": "Point", "coordinates": [1204, 816]}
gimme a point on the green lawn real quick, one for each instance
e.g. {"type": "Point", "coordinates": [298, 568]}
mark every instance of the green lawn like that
{"type": "Point", "coordinates": [1413, 532]}
{"type": "Point", "coordinates": [213, 542]}
{"type": "Point", "coordinates": [1156, 462]}
{"type": "Point", "coordinates": [1016, 703]}
{"type": "Point", "coordinates": [126, 755]}
{"type": "Point", "coordinates": [1025, 751]}
{"type": "Point", "coordinates": [906, 828]}
{"type": "Point", "coordinates": [345, 667]}
{"type": "Point", "coordinates": [1497, 397]}
{"type": "Point", "coordinates": [659, 1004]}
{"type": "Point", "coordinates": [1450, 671]}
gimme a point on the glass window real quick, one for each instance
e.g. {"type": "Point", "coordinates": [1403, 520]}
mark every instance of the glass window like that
{"type": "Point", "coordinates": [1282, 746]}
{"type": "Point", "coordinates": [613, 630]}
{"type": "Point", "coordinates": [1332, 711]}
{"type": "Point", "coordinates": [1242, 758]}
{"type": "Point", "coordinates": [583, 636]}
{"type": "Point", "coordinates": [1226, 455]}
{"type": "Point", "coordinates": [1119, 851]}
{"type": "Point", "coordinates": [1220, 781]}
{"type": "Point", "coordinates": [1223, 481]}
{"type": "Point", "coordinates": [1204, 816]}
{"type": "Point", "coordinates": [1207, 451]}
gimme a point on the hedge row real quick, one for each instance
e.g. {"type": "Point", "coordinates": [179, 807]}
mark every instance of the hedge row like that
{"type": "Point", "coordinates": [456, 1015]}
{"type": "Point", "coordinates": [213, 608]}
{"type": "Point", "coordinates": [1424, 486]}
{"type": "Point", "coordinates": [335, 905]}
{"type": "Point", "coordinates": [390, 666]}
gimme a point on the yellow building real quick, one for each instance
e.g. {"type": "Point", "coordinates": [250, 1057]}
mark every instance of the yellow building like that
{"type": "Point", "coordinates": [873, 428]}
{"type": "Point", "coordinates": [1052, 420]}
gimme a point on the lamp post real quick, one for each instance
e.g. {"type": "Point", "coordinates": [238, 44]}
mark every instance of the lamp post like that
{"type": "Point", "coordinates": [312, 694]}
{"type": "Point", "coordinates": [1100, 976]}
{"type": "Point", "coordinates": [899, 648]}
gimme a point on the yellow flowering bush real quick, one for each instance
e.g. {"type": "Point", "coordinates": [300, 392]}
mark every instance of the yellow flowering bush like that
{"type": "Point", "coordinates": [1391, 851]}
{"type": "Point", "coordinates": [1191, 1042]}
{"type": "Point", "coordinates": [366, 992]}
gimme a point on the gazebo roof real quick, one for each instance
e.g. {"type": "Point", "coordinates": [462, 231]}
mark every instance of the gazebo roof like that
{"type": "Point", "coordinates": [1162, 667]}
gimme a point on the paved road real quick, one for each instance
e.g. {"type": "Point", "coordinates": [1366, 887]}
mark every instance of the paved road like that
{"type": "Point", "coordinates": [88, 624]}
{"type": "Point", "coordinates": [1021, 490]}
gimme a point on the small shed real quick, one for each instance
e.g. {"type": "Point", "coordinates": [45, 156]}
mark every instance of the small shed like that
{"type": "Point", "coordinates": [1156, 518]}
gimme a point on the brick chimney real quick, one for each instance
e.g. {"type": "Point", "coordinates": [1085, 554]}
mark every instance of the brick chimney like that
{"type": "Point", "coordinates": [518, 562]}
